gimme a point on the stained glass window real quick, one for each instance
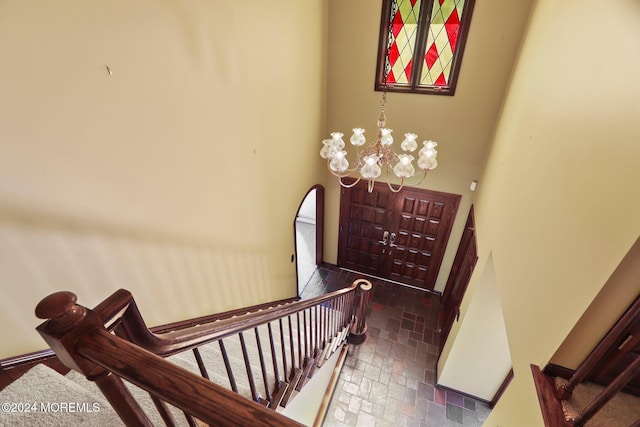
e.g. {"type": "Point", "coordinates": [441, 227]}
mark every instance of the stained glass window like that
{"type": "Point", "coordinates": [421, 45]}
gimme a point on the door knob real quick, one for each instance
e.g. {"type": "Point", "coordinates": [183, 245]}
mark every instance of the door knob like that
{"type": "Point", "coordinates": [385, 238]}
{"type": "Point", "coordinates": [392, 240]}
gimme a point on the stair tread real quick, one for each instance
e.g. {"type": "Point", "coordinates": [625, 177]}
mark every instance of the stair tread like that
{"type": "Point", "coordinates": [622, 410]}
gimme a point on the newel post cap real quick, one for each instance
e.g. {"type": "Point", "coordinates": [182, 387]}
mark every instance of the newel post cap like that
{"type": "Point", "coordinates": [61, 309]}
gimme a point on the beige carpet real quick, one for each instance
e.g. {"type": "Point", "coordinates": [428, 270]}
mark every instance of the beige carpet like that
{"type": "Point", "coordinates": [44, 398]}
{"type": "Point", "coordinates": [621, 411]}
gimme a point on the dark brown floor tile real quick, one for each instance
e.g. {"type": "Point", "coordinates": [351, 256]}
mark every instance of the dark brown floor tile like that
{"type": "Point", "coordinates": [389, 379]}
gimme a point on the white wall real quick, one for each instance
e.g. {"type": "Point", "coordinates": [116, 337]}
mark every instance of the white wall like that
{"type": "Point", "coordinates": [482, 323]}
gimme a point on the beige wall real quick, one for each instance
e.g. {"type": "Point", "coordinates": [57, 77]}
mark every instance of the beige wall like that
{"type": "Point", "coordinates": [461, 124]}
{"type": "Point", "coordinates": [608, 306]}
{"type": "Point", "coordinates": [491, 363]}
{"type": "Point", "coordinates": [557, 211]}
{"type": "Point", "coordinates": [171, 176]}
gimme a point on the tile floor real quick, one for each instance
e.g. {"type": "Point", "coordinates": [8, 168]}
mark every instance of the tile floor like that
{"type": "Point", "coordinates": [389, 380]}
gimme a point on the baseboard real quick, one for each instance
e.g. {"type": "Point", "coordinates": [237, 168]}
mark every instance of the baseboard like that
{"type": "Point", "coordinates": [502, 389]}
{"type": "Point", "coordinates": [26, 359]}
{"type": "Point", "coordinates": [14, 367]}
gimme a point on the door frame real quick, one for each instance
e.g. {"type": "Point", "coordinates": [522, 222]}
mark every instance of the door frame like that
{"type": "Point", "coordinates": [319, 192]}
{"type": "Point", "coordinates": [453, 295]}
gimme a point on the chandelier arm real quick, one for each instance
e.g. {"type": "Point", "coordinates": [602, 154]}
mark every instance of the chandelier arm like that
{"type": "Point", "coordinates": [424, 176]}
{"type": "Point", "coordinates": [348, 185]}
{"type": "Point", "coordinates": [402, 182]}
{"type": "Point", "coordinates": [347, 173]}
{"type": "Point", "coordinates": [399, 188]}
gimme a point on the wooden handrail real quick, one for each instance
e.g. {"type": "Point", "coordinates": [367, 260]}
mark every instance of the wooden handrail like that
{"type": "Point", "coordinates": [219, 316]}
{"type": "Point", "coordinates": [586, 367]}
{"type": "Point", "coordinates": [616, 385]}
{"type": "Point", "coordinates": [120, 311]}
{"type": "Point", "coordinates": [82, 340]}
{"type": "Point", "coordinates": [195, 395]}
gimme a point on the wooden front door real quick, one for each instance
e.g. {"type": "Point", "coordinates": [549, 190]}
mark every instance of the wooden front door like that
{"type": "Point", "coordinates": [463, 266]}
{"type": "Point", "coordinates": [399, 236]}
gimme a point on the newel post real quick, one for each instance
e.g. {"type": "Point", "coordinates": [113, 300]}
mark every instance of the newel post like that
{"type": "Point", "coordinates": [66, 324]}
{"type": "Point", "coordinates": [359, 327]}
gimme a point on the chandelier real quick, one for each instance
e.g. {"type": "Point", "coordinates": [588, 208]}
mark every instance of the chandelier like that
{"type": "Point", "coordinates": [375, 157]}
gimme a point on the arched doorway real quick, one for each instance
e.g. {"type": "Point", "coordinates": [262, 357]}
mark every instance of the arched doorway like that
{"type": "Point", "coordinates": [308, 231]}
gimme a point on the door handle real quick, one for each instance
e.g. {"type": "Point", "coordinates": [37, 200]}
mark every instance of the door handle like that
{"type": "Point", "coordinates": [385, 238]}
{"type": "Point", "coordinates": [392, 241]}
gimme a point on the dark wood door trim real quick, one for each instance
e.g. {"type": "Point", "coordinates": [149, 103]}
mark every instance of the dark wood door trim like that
{"type": "Point", "coordinates": [319, 222]}
{"type": "Point", "coordinates": [463, 265]}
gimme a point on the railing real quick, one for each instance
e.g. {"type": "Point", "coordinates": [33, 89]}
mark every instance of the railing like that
{"type": "Point", "coordinates": [587, 367]}
{"type": "Point", "coordinates": [611, 342]}
{"type": "Point", "coordinates": [276, 350]}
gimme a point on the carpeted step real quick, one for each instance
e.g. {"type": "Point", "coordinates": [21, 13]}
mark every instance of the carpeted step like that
{"type": "Point", "coordinates": [44, 386]}
{"type": "Point", "coordinates": [621, 411]}
{"type": "Point", "coordinates": [45, 398]}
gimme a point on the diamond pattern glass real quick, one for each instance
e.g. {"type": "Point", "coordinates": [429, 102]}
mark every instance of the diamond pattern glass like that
{"type": "Point", "coordinates": [402, 40]}
{"type": "Point", "coordinates": [441, 42]}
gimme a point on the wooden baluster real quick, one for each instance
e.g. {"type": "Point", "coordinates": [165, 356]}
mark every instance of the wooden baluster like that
{"type": "Point", "coordinates": [306, 334]}
{"type": "Point", "coordinates": [190, 420]}
{"type": "Point", "coordinates": [247, 364]}
{"type": "Point", "coordinates": [320, 320]}
{"type": "Point", "coordinates": [203, 369]}
{"type": "Point", "coordinates": [299, 340]}
{"type": "Point", "coordinates": [284, 352]}
{"type": "Point", "coordinates": [586, 367]}
{"type": "Point", "coordinates": [292, 348]}
{"type": "Point", "coordinates": [332, 319]}
{"type": "Point", "coordinates": [163, 410]}
{"type": "Point", "coordinates": [359, 329]}
{"type": "Point", "coordinates": [325, 325]}
{"type": "Point", "coordinates": [227, 365]}
{"type": "Point", "coordinates": [276, 374]}
{"type": "Point", "coordinates": [263, 367]}
{"type": "Point", "coordinates": [67, 323]}
{"type": "Point", "coordinates": [616, 385]}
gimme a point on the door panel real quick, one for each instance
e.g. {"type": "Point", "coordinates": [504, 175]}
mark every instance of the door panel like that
{"type": "Point", "coordinates": [424, 224]}
{"type": "Point", "coordinates": [400, 236]}
{"type": "Point", "coordinates": [360, 248]}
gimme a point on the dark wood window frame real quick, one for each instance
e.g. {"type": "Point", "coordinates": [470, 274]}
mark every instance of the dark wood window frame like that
{"type": "Point", "coordinates": [423, 25]}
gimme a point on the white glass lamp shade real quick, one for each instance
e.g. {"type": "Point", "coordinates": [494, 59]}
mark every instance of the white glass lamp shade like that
{"type": "Point", "coordinates": [428, 155]}
{"type": "Point", "coordinates": [370, 169]}
{"type": "Point", "coordinates": [427, 163]}
{"type": "Point", "coordinates": [336, 138]}
{"type": "Point", "coordinates": [409, 143]}
{"type": "Point", "coordinates": [358, 137]}
{"type": "Point", "coordinates": [338, 163]}
{"type": "Point", "coordinates": [428, 146]}
{"type": "Point", "coordinates": [386, 138]}
{"type": "Point", "coordinates": [404, 167]}
{"type": "Point", "coordinates": [327, 151]}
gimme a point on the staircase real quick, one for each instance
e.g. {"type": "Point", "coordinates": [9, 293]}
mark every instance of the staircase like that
{"type": "Point", "coordinates": [49, 390]}
{"type": "Point", "coordinates": [271, 365]}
